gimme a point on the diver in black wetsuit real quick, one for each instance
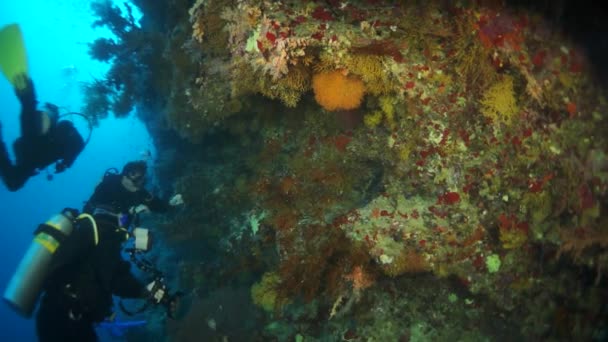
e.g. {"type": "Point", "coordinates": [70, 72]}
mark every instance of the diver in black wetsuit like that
{"type": "Point", "coordinates": [125, 192]}
{"type": "Point", "coordinates": [43, 141]}
{"type": "Point", "coordinates": [78, 293]}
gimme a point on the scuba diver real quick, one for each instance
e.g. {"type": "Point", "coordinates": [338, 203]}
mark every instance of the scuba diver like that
{"type": "Point", "coordinates": [84, 276]}
{"type": "Point", "coordinates": [125, 193]}
{"type": "Point", "coordinates": [44, 138]}
{"type": "Point", "coordinates": [76, 262]}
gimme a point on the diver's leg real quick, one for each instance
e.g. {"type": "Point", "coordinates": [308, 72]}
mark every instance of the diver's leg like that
{"type": "Point", "coordinates": [29, 118]}
{"type": "Point", "coordinates": [53, 323]}
{"type": "Point", "coordinates": [13, 176]}
{"type": "Point", "coordinates": [86, 332]}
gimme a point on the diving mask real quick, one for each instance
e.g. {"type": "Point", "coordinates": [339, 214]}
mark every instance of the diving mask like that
{"type": "Point", "coordinates": [134, 181]}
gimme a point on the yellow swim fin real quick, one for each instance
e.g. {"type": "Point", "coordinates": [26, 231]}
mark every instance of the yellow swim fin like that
{"type": "Point", "coordinates": [13, 59]}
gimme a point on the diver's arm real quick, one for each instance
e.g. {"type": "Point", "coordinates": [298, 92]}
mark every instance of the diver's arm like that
{"type": "Point", "coordinates": [155, 204]}
{"type": "Point", "coordinates": [104, 193]}
{"type": "Point", "coordinates": [13, 176]}
{"type": "Point", "coordinates": [27, 94]}
{"type": "Point", "coordinates": [124, 283]}
{"type": "Point", "coordinates": [69, 144]}
{"type": "Point", "coordinates": [158, 205]}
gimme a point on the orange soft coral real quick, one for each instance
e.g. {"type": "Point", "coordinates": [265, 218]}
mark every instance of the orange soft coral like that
{"type": "Point", "coordinates": [336, 91]}
{"type": "Point", "coordinates": [359, 278]}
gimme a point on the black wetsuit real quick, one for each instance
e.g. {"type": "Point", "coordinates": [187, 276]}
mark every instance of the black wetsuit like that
{"type": "Point", "coordinates": [112, 196]}
{"type": "Point", "coordinates": [35, 151]}
{"type": "Point", "coordinates": [78, 292]}
{"type": "Point", "coordinates": [94, 274]}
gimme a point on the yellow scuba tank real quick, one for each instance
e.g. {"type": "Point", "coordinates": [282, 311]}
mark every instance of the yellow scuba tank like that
{"type": "Point", "coordinates": [26, 284]}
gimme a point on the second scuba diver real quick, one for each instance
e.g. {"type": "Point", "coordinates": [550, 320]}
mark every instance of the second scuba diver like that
{"type": "Point", "coordinates": [44, 138]}
{"type": "Point", "coordinates": [90, 269]}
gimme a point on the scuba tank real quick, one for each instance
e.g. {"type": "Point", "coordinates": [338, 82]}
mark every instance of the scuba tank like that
{"type": "Point", "coordinates": [26, 284]}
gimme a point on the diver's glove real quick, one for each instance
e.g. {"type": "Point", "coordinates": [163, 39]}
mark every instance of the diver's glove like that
{"type": "Point", "coordinates": [176, 200]}
{"type": "Point", "coordinates": [139, 209]}
{"type": "Point", "coordinates": [172, 304]}
{"type": "Point", "coordinates": [26, 94]}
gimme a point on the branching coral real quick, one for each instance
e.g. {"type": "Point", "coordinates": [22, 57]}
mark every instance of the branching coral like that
{"type": "Point", "coordinates": [208, 27]}
{"type": "Point", "coordinates": [580, 246]}
{"type": "Point", "coordinates": [286, 52]}
{"type": "Point", "coordinates": [371, 70]}
{"type": "Point", "coordinates": [134, 53]}
{"type": "Point", "coordinates": [576, 243]}
{"type": "Point", "coordinates": [111, 16]}
{"type": "Point", "coordinates": [290, 87]}
{"type": "Point", "coordinates": [197, 20]}
{"type": "Point", "coordinates": [97, 100]}
{"type": "Point", "coordinates": [471, 57]}
{"type": "Point", "coordinates": [499, 102]}
{"type": "Point", "coordinates": [241, 20]}
{"type": "Point", "coordinates": [287, 89]}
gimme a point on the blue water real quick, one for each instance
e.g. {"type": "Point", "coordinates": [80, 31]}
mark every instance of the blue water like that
{"type": "Point", "coordinates": [56, 34]}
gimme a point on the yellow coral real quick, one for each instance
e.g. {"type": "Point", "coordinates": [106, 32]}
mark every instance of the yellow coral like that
{"type": "Point", "coordinates": [472, 63]}
{"type": "Point", "coordinates": [405, 151]}
{"type": "Point", "coordinates": [264, 294]}
{"type": "Point", "coordinates": [513, 238]}
{"type": "Point", "coordinates": [297, 79]}
{"type": "Point", "coordinates": [289, 88]}
{"type": "Point", "coordinates": [373, 119]}
{"type": "Point", "coordinates": [387, 110]}
{"type": "Point", "coordinates": [538, 206]}
{"type": "Point", "coordinates": [371, 70]}
{"type": "Point", "coordinates": [387, 104]}
{"type": "Point", "coordinates": [499, 103]}
{"type": "Point", "coordinates": [326, 63]}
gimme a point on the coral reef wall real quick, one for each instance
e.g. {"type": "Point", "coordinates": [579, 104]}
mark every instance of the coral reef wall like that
{"type": "Point", "coordinates": [375, 170]}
